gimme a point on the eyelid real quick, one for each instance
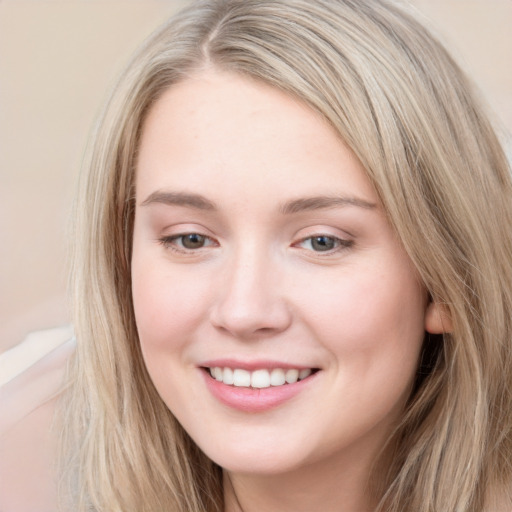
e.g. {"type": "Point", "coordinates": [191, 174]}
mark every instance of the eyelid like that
{"type": "Point", "coordinates": [342, 243]}
{"type": "Point", "coordinates": [168, 242]}
{"type": "Point", "coordinates": [183, 228]}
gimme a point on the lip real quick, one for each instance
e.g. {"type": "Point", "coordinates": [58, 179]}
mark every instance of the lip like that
{"type": "Point", "coordinates": [253, 400]}
{"type": "Point", "coordinates": [251, 366]}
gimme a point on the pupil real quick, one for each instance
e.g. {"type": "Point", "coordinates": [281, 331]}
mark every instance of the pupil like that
{"type": "Point", "coordinates": [193, 241]}
{"type": "Point", "coordinates": [322, 243]}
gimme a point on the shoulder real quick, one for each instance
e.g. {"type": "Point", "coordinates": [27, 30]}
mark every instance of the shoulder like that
{"type": "Point", "coordinates": [31, 380]}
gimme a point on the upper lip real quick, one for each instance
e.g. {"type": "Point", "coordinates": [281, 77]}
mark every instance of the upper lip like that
{"type": "Point", "coordinates": [257, 364]}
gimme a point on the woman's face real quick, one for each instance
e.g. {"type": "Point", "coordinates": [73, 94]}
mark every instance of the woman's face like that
{"type": "Point", "coordinates": [262, 255]}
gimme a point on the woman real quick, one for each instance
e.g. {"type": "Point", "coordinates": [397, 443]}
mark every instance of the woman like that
{"type": "Point", "coordinates": [292, 273]}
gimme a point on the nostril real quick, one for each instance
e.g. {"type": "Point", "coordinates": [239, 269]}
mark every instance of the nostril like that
{"type": "Point", "coordinates": [256, 322]}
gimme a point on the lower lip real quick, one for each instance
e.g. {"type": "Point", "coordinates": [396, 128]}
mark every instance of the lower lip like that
{"type": "Point", "coordinates": [254, 399]}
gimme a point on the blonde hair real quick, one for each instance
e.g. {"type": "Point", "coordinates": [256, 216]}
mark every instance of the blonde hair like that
{"type": "Point", "coordinates": [410, 115]}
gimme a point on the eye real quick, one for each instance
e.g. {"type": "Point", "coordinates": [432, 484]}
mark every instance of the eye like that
{"type": "Point", "coordinates": [192, 241]}
{"type": "Point", "coordinates": [187, 241]}
{"type": "Point", "coordinates": [323, 243]}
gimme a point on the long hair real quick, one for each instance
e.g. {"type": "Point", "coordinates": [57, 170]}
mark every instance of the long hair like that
{"type": "Point", "coordinates": [408, 112]}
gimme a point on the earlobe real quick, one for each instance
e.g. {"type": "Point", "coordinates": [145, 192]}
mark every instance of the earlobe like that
{"type": "Point", "coordinates": [438, 319]}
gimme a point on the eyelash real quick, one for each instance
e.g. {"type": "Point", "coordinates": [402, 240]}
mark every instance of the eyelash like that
{"type": "Point", "coordinates": [339, 244]}
{"type": "Point", "coordinates": [170, 242]}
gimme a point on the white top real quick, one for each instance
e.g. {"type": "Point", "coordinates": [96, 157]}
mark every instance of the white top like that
{"type": "Point", "coordinates": [31, 378]}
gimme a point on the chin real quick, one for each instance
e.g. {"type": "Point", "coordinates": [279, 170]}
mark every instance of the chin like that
{"type": "Point", "coordinates": [258, 459]}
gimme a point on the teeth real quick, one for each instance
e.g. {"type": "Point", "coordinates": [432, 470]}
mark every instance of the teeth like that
{"type": "Point", "coordinates": [217, 373]}
{"type": "Point", "coordinates": [241, 378]}
{"type": "Point", "coordinates": [292, 376]}
{"type": "Point", "coordinates": [277, 377]}
{"type": "Point", "coordinates": [227, 376]}
{"type": "Point", "coordinates": [258, 378]}
{"type": "Point", "coordinates": [304, 373]}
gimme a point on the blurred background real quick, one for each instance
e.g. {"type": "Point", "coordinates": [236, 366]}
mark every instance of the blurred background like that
{"type": "Point", "coordinates": [58, 59]}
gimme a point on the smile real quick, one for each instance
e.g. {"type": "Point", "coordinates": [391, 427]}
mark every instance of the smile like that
{"type": "Point", "coordinates": [261, 378]}
{"type": "Point", "coordinates": [256, 387]}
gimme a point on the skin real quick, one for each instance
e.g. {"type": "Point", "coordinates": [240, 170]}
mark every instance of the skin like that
{"type": "Point", "coordinates": [259, 289]}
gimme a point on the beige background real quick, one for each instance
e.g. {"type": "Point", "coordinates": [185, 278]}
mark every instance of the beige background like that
{"type": "Point", "coordinates": [57, 60]}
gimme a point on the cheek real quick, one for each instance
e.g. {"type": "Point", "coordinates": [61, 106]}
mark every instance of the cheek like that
{"type": "Point", "coordinates": [168, 306]}
{"type": "Point", "coordinates": [372, 326]}
{"type": "Point", "coordinates": [373, 313]}
{"type": "Point", "coordinates": [169, 312]}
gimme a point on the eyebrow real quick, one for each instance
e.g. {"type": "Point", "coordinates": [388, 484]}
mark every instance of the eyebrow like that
{"type": "Point", "coordinates": [322, 203]}
{"type": "Point", "coordinates": [179, 199]}
{"type": "Point", "coordinates": [302, 204]}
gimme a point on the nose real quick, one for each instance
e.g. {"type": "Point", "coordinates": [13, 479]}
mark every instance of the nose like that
{"type": "Point", "coordinates": [251, 301]}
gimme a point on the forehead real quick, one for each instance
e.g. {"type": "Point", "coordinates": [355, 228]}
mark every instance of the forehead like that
{"type": "Point", "coordinates": [222, 131]}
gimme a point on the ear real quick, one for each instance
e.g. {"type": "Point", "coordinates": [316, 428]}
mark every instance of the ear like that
{"type": "Point", "coordinates": [438, 319]}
